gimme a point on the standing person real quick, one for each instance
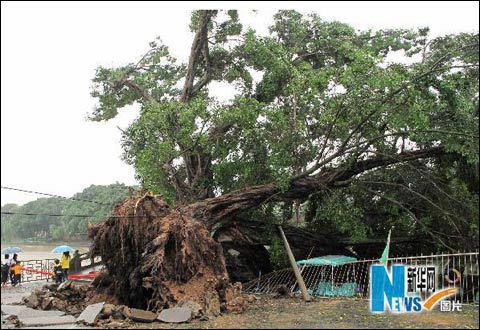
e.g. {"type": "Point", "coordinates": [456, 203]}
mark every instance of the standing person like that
{"type": "Point", "coordinates": [58, 272]}
{"type": "Point", "coordinates": [5, 270]}
{"type": "Point", "coordinates": [11, 262]}
{"type": "Point", "coordinates": [65, 262]}
{"type": "Point", "coordinates": [76, 263]}
{"type": "Point", "coordinates": [17, 269]}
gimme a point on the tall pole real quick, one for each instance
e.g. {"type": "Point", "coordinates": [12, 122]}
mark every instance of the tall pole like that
{"type": "Point", "coordinates": [300, 281]}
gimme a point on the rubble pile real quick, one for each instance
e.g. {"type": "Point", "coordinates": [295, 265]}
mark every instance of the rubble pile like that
{"type": "Point", "coordinates": [78, 298]}
{"type": "Point", "coordinates": [69, 297]}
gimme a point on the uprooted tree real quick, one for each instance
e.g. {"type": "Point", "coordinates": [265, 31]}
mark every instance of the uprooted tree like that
{"type": "Point", "coordinates": [313, 108]}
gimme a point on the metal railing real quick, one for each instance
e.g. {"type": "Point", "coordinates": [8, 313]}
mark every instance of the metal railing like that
{"type": "Point", "coordinates": [452, 270]}
{"type": "Point", "coordinates": [41, 269]}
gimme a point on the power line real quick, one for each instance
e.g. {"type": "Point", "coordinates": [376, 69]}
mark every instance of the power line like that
{"type": "Point", "coordinates": [73, 215]}
{"type": "Point", "coordinates": [49, 215]}
{"type": "Point", "coordinates": [51, 195]}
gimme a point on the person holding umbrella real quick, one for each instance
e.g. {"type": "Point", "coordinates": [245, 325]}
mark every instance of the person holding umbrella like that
{"type": "Point", "coordinates": [11, 263]}
{"type": "Point", "coordinates": [5, 270]}
{"type": "Point", "coordinates": [65, 262]}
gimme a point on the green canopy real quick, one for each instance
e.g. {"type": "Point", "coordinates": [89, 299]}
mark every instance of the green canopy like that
{"type": "Point", "coordinates": [330, 260]}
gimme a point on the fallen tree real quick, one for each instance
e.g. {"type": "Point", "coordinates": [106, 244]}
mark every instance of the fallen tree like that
{"type": "Point", "coordinates": [158, 257]}
{"type": "Point", "coordinates": [328, 109]}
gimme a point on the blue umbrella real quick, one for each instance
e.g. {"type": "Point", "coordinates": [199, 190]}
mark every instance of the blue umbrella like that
{"type": "Point", "coordinates": [11, 249]}
{"type": "Point", "coordinates": [63, 248]}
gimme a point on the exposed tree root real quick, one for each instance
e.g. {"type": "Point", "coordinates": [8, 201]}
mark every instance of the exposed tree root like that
{"type": "Point", "coordinates": [157, 257]}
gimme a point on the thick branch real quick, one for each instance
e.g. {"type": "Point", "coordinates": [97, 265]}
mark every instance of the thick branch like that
{"type": "Point", "coordinates": [218, 208]}
{"type": "Point", "coordinates": [140, 91]}
{"type": "Point", "coordinates": [197, 46]}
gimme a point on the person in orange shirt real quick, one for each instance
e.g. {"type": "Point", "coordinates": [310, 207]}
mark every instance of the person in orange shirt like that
{"type": "Point", "coordinates": [17, 268]}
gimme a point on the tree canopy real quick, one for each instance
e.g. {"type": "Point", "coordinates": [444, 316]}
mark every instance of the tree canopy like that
{"type": "Point", "coordinates": [320, 113]}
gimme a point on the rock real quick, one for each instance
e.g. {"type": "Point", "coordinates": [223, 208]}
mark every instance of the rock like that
{"type": "Point", "coordinates": [108, 310]}
{"type": "Point", "coordinates": [126, 312]}
{"type": "Point", "coordinates": [175, 315]}
{"type": "Point", "coordinates": [47, 303]}
{"type": "Point", "coordinates": [64, 286]}
{"type": "Point", "coordinates": [194, 307]}
{"type": "Point", "coordinates": [237, 305]}
{"type": "Point", "coordinates": [113, 312]}
{"type": "Point", "coordinates": [90, 313]}
{"type": "Point", "coordinates": [212, 303]}
{"type": "Point", "coordinates": [116, 325]}
{"type": "Point", "coordinates": [32, 301]}
{"type": "Point", "coordinates": [60, 304]}
{"type": "Point", "coordinates": [13, 319]}
{"type": "Point", "coordinates": [141, 315]}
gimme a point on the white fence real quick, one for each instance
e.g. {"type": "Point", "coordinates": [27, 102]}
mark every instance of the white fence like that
{"type": "Point", "coordinates": [352, 279]}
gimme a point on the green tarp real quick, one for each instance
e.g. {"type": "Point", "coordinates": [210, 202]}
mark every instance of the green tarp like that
{"type": "Point", "coordinates": [330, 260]}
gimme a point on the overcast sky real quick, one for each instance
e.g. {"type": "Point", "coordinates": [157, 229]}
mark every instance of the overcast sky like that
{"type": "Point", "coordinates": [50, 50]}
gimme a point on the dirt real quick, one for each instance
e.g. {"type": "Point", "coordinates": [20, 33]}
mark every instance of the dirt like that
{"type": "Point", "coordinates": [293, 313]}
{"type": "Point", "coordinates": [268, 312]}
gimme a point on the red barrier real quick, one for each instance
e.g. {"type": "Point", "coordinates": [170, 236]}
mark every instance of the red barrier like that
{"type": "Point", "coordinates": [80, 276]}
{"type": "Point", "coordinates": [70, 276]}
{"type": "Point", "coordinates": [29, 270]}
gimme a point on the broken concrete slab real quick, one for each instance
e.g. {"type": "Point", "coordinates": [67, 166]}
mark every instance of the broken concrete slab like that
{"type": "Point", "coordinates": [47, 321]}
{"type": "Point", "coordinates": [175, 315]}
{"type": "Point", "coordinates": [24, 311]}
{"type": "Point", "coordinates": [33, 317]}
{"type": "Point", "coordinates": [90, 313]}
{"type": "Point", "coordinates": [141, 315]}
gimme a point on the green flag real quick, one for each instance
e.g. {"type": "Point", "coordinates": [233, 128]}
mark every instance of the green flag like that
{"type": "Point", "coordinates": [384, 257]}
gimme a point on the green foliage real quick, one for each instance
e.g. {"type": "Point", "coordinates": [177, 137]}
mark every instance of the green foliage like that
{"type": "Point", "coordinates": [278, 256]}
{"type": "Point", "coordinates": [15, 227]}
{"type": "Point", "coordinates": [311, 93]}
{"type": "Point", "coordinates": [340, 213]}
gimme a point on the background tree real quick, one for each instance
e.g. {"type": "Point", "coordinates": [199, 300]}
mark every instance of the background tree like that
{"type": "Point", "coordinates": [48, 225]}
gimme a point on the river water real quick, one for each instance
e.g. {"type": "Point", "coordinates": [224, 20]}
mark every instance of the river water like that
{"type": "Point", "coordinates": [43, 250]}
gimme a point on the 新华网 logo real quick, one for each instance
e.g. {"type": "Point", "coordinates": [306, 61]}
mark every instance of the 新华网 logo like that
{"type": "Point", "coordinates": [406, 289]}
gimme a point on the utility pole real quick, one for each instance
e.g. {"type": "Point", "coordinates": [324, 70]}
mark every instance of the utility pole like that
{"type": "Point", "coordinates": [300, 281]}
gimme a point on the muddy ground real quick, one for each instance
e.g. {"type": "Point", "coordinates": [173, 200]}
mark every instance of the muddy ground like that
{"type": "Point", "coordinates": [293, 313]}
{"type": "Point", "coordinates": [288, 313]}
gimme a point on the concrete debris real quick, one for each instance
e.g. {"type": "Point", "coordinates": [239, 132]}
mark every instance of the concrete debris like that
{"type": "Point", "coordinates": [90, 314]}
{"type": "Point", "coordinates": [29, 317]}
{"type": "Point", "coordinates": [175, 315]}
{"type": "Point", "coordinates": [194, 307]}
{"type": "Point", "coordinates": [140, 315]}
{"type": "Point", "coordinates": [69, 297]}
